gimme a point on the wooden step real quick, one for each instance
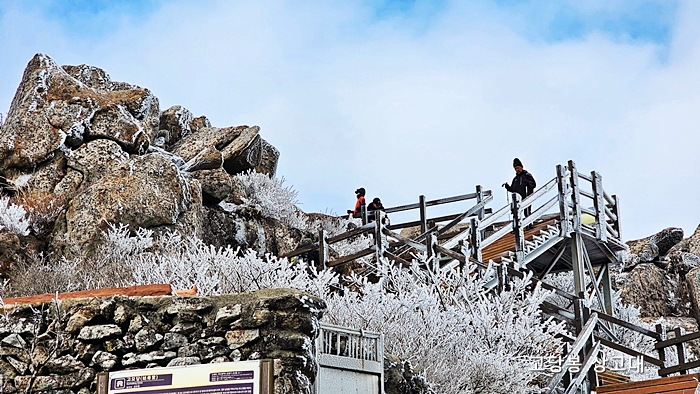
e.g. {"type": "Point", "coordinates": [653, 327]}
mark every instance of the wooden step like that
{"type": "Point", "coordinates": [683, 384]}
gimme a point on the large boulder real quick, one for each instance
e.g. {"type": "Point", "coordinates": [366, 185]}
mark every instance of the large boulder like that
{"type": "Point", "coordinates": [145, 191]}
{"type": "Point", "coordinates": [647, 287]}
{"type": "Point", "coordinates": [193, 144]}
{"type": "Point", "coordinates": [693, 280]}
{"type": "Point", "coordinates": [652, 248]}
{"type": "Point", "coordinates": [250, 151]}
{"type": "Point", "coordinates": [175, 121]}
{"type": "Point", "coordinates": [96, 158]}
{"type": "Point", "coordinates": [216, 184]}
{"type": "Point", "coordinates": [688, 245]}
{"type": "Point", "coordinates": [56, 108]}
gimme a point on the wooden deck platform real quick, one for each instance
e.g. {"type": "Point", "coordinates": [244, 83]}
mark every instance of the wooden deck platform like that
{"type": "Point", "coordinates": [683, 384]}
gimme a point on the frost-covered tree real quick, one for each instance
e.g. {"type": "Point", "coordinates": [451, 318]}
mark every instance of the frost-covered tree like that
{"type": "Point", "coordinates": [13, 217]}
{"type": "Point", "coordinates": [259, 193]}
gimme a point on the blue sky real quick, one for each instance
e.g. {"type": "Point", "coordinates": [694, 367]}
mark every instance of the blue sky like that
{"type": "Point", "coordinates": [447, 91]}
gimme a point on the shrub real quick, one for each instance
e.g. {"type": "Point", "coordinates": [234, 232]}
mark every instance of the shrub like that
{"type": "Point", "coordinates": [269, 197]}
{"type": "Point", "coordinates": [13, 217]}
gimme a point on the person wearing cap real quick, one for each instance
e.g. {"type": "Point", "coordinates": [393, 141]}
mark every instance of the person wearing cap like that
{"type": "Point", "coordinates": [375, 205]}
{"type": "Point", "coordinates": [523, 183]}
{"type": "Point", "coordinates": [360, 194]}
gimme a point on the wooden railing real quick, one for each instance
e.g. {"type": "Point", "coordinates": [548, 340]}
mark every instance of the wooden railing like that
{"type": "Point", "coordinates": [382, 232]}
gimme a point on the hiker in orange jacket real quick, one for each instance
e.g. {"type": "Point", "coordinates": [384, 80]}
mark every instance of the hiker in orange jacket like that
{"type": "Point", "coordinates": [360, 193]}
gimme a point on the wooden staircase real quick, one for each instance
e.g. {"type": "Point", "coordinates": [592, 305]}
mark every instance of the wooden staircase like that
{"type": "Point", "coordinates": [503, 250]}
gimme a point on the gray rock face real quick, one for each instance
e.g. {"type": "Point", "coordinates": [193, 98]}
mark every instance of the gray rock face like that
{"type": "Point", "coordinates": [208, 159]}
{"type": "Point", "coordinates": [646, 287]}
{"type": "Point", "coordinates": [653, 248]}
{"type": "Point", "coordinates": [84, 146]}
{"type": "Point", "coordinates": [176, 121]}
{"type": "Point", "coordinates": [96, 158]}
{"type": "Point", "coordinates": [190, 146]}
{"type": "Point", "coordinates": [216, 184]}
{"type": "Point", "coordinates": [250, 151]}
{"type": "Point", "coordinates": [99, 333]}
{"type": "Point", "coordinates": [146, 191]}
{"type": "Point", "coordinates": [693, 280]}
{"type": "Point", "coordinates": [399, 377]}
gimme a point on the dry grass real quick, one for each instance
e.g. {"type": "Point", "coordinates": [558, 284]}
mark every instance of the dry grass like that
{"type": "Point", "coordinates": [43, 208]}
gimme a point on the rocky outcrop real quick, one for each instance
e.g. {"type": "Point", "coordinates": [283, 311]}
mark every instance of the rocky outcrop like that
{"type": "Point", "coordinates": [143, 192]}
{"type": "Point", "coordinates": [659, 274]}
{"type": "Point", "coordinates": [66, 344]}
{"type": "Point", "coordinates": [97, 151]}
{"type": "Point", "coordinates": [653, 248]}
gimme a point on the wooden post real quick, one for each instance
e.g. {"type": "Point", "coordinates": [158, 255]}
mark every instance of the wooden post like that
{"type": "Point", "coordinates": [466, 253]}
{"type": "Point", "coordinates": [581, 316]}
{"type": "Point", "coordinates": [576, 239]}
{"type": "Point", "coordinates": [616, 211]}
{"type": "Point", "coordinates": [601, 232]}
{"type": "Point", "coordinates": [501, 276]}
{"type": "Point", "coordinates": [379, 236]}
{"type": "Point", "coordinates": [577, 263]}
{"type": "Point", "coordinates": [575, 197]}
{"type": "Point", "coordinates": [662, 352]}
{"type": "Point", "coordinates": [518, 230]}
{"type": "Point", "coordinates": [563, 202]}
{"type": "Point", "coordinates": [363, 213]}
{"type": "Point", "coordinates": [433, 258]}
{"type": "Point", "coordinates": [680, 348]}
{"type": "Point", "coordinates": [480, 199]}
{"type": "Point", "coordinates": [423, 214]}
{"type": "Point", "coordinates": [607, 289]}
{"type": "Point", "coordinates": [322, 248]}
{"type": "Point", "coordinates": [475, 238]}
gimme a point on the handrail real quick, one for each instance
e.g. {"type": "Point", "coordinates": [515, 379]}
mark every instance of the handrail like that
{"type": "Point", "coordinates": [539, 212]}
{"type": "Point", "coordinates": [576, 348]}
{"type": "Point", "coordinates": [586, 177]}
{"type": "Point", "coordinates": [438, 201]}
{"type": "Point", "coordinates": [529, 200]}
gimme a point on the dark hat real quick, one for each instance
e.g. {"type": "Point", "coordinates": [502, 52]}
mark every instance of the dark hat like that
{"type": "Point", "coordinates": [377, 200]}
{"type": "Point", "coordinates": [517, 162]}
{"type": "Point", "coordinates": [361, 191]}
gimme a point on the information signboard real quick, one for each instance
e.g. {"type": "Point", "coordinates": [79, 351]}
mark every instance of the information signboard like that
{"type": "Point", "coordinates": [243, 377]}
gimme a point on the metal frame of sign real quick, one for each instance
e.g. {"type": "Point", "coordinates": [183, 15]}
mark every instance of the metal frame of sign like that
{"type": "Point", "coordinates": [241, 377]}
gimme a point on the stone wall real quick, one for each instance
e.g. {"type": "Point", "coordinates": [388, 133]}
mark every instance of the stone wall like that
{"type": "Point", "coordinates": [60, 347]}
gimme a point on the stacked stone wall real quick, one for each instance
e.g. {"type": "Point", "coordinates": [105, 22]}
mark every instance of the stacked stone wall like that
{"type": "Point", "coordinates": [59, 347]}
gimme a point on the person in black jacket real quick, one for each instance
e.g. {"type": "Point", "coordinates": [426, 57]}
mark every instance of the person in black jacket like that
{"type": "Point", "coordinates": [523, 183]}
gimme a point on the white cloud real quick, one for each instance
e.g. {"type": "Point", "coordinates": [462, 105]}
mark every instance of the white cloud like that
{"type": "Point", "coordinates": [402, 108]}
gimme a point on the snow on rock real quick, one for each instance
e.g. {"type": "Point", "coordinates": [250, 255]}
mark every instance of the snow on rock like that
{"type": "Point", "coordinates": [56, 106]}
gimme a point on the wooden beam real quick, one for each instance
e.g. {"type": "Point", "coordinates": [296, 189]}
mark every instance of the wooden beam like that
{"type": "Point", "coordinates": [599, 204]}
{"type": "Point", "coordinates": [352, 233]}
{"type": "Point", "coordinates": [354, 256]}
{"type": "Point", "coordinates": [552, 262]}
{"type": "Point", "coordinates": [677, 340]}
{"type": "Point", "coordinates": [404, 240]}
{"type": "Point", "coordinates": [422, 207]}
{"type": "Point", "coordinates": [439, 201]}
{"type": "Point", "coordinates": [588, 362]}
{"type": "Point", "coordinates": [323, 255]}
{"type": "Point", "coordinates": [647, 359]}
